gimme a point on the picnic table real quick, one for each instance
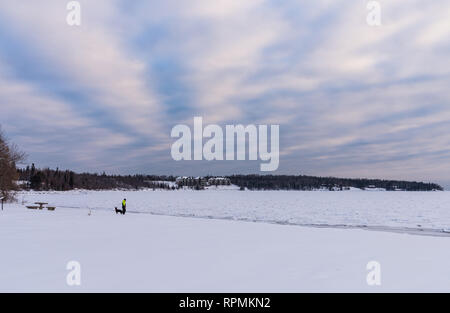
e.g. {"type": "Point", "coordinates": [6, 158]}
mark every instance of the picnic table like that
{"type": "Point", "coordinates": [41, 204]}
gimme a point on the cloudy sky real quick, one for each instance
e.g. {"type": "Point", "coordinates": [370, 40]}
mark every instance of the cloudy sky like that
{"type": "Point", "coordinates": [351, 99]}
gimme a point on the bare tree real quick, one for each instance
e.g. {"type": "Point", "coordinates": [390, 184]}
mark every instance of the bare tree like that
{"type": "Point", "coordinates": [10, 155]}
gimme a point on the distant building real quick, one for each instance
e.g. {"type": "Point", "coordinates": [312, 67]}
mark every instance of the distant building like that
{"type": "Point", "coordinates": [190, 181]}
{"type": "Point", "coordinates": [201, 182]}
{"type": "Point", "coordinates": [219, 181]}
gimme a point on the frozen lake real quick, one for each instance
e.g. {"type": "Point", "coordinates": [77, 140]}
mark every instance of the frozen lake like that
{"type": "Point", "coordinates": [378, 209]}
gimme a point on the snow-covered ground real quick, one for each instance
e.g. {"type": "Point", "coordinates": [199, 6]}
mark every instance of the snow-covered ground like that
{"type": "Point", "coordinates": [156, 253]}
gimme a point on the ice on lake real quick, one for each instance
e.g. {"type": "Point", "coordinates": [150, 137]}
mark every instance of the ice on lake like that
{"type": "Point", "coordinates": [427, 210]}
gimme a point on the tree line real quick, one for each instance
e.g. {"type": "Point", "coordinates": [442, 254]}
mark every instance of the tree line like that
{"type": "Point", "coordinates": [302, 182]}
{"type": "Point", "coordinates": [49, 179]}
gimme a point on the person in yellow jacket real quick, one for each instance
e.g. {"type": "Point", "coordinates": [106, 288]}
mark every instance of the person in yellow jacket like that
{"type": "Point", "coordinates": [124, 206]}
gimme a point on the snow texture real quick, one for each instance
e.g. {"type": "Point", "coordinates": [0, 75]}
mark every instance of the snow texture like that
{"type": "Point", "coordinates": [156, 253]}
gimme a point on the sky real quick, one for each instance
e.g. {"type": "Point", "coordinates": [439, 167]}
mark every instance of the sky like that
{"type": "Point", "coordinates": [352, 100]}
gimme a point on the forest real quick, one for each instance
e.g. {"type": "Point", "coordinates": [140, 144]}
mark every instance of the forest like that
{"type": "Point", "coordinates": [302, 182]}
{"type": "Point", "coordinates": [49, 179]}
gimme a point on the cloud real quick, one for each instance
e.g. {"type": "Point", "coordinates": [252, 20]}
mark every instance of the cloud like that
{"type": "Point", "coordinates": [350, 99]}
{"type": "Point", "coordinates": [91, 60]}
